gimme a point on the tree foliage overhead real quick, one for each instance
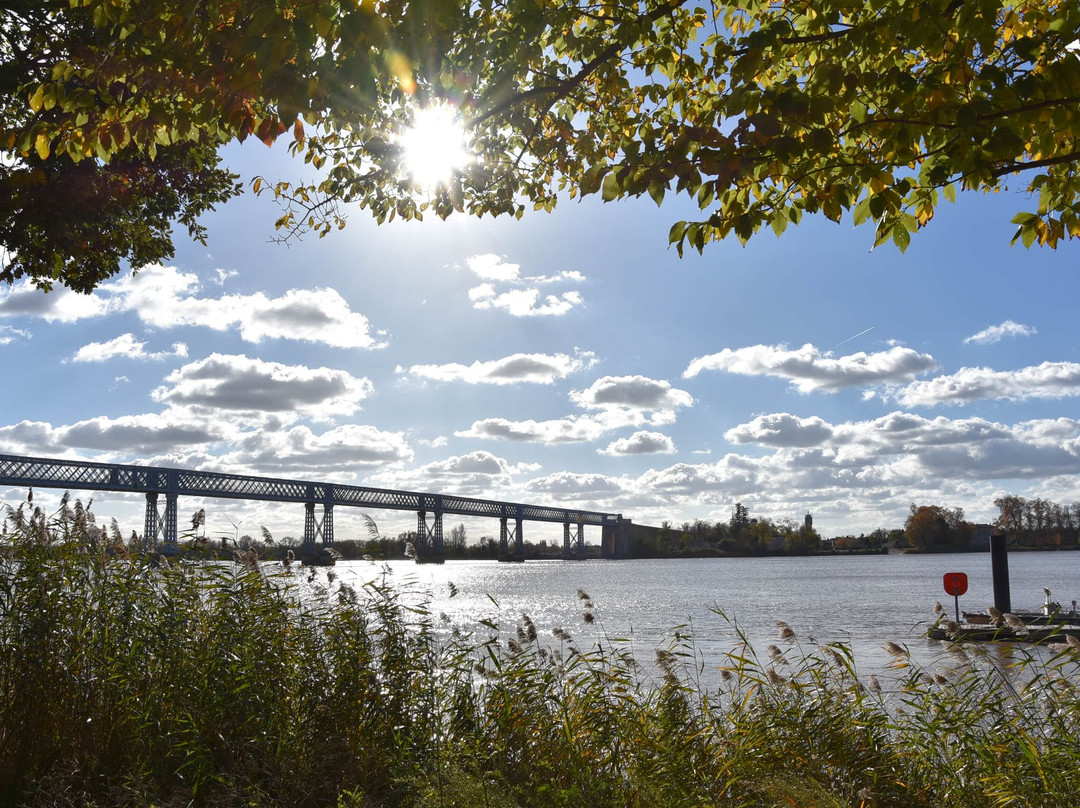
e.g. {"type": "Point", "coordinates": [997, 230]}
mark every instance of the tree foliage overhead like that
{"type": "Point", "coordinates": [759, 112]}
{"type": "Point", "coordinates": [79, 221]}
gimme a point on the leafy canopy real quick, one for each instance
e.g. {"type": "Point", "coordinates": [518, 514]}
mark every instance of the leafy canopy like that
{"type": "Point", "coordinates": [760, 112]}
{"type": "Point", "coordinates": [78, 221]}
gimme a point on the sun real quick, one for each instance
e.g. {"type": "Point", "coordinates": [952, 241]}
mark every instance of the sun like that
{"type": "Point", "coordinates": [434, 148]}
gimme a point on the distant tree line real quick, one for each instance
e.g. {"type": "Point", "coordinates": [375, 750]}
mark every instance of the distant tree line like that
{"type": "Point", "coordinates": [741, 535]}
{"type": "Point", "coordinates": [1024, 522]}
{"type": "Point", "coordinates": [879, 540]}
{"type": "Point", "coordinates": [1038, 522]}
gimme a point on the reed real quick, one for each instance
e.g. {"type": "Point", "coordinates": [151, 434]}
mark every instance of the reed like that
{"type": "Point", "coordinates": [129, 683]}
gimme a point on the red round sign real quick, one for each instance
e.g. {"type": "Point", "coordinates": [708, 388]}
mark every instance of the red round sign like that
{"type": "Point", "coordinates": [955, 583]}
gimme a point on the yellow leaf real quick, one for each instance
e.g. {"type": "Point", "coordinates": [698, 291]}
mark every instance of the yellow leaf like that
{"type": "Point", "coordinates": [41, 145]}
{"type": "Point", "coordinates": [37, 100]}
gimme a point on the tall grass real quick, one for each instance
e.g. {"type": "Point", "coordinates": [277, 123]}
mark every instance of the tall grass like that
{"type": "Point", "coordinates": [129, 683]}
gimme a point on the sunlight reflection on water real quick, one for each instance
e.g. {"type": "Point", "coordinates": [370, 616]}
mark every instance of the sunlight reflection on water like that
{"type": "Point", "coordinates": [862, 601]}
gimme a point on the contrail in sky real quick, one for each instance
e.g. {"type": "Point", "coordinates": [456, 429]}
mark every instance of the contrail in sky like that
{"type": "Point", "coordinates": [849, 339]}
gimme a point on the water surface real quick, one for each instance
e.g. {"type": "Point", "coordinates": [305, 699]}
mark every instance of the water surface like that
{"type": "Point", "coordinates": [863, 601]}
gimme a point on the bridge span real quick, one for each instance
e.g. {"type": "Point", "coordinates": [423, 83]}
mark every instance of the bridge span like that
{"type": "Point", "coordinates": [156, 483]}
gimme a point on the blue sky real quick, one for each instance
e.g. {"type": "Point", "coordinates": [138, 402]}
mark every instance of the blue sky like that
{"type": "Point", "coordinates": [569, 358]}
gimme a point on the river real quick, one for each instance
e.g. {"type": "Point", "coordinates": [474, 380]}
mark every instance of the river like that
{"type": "Point", "coordinates": [862, 601]}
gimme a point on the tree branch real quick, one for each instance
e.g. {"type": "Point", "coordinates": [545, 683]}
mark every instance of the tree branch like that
{"type": "Point", "coordinates": [564, 88]}
{"type": "Point", "coordinates": [1014, 168]}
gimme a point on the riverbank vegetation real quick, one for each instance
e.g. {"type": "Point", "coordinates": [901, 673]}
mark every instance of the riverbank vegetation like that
{"type": "Point", "coordinates": [241, 683]}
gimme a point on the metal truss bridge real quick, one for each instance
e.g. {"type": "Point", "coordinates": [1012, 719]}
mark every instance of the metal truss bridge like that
{"type": "Point", "coordinates": [170, 483]}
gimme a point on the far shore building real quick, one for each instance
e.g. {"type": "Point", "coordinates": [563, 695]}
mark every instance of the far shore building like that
{"type": "Point", "coordinates": [980, 537]}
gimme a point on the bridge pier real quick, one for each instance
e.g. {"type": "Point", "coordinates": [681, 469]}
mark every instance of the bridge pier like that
{"type": "Point", "coordinates": [429, 541]}
{"type": "Point", "coordinates": [617, 538]}
{"type": "Point", "coordinates": [318, 529]}
{"type": "Point", "coordinates": [155, 525]}
{"type": "Point", "coordinates": [575, 537]}
{"type": "Point", "coordinates": [505, 534]}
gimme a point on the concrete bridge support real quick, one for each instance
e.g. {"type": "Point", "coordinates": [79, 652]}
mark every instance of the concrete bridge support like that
{"type": "Point", "coordinates": [156, 525]}
{"type": "Point", "coordinates": [616, 538]}
{"type": "Point", "coordinates": [429, 541]}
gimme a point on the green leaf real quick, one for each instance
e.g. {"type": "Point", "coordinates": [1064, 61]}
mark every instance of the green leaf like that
{"type": "Point", "coordinates": [900, 236]}
{"type": "Point", "coordinates": [611, 188]}
{"type": "Point", "coordinates": [592, 178]}
{"type": "Point", "coordinates": [862, 210]}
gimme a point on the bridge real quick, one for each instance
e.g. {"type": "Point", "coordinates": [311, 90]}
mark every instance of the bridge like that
{"type": "Point", "coordinates": [158, 483]}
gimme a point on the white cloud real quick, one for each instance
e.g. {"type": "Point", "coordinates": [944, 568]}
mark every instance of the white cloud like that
{"type": "Point", "coordinates": [124, 346]}
{"type": "Point", "coordinates": [301, 451]}
{"type": "Point", "coordinates": [913, 448]}
{"type": "Point", "coordinates": [31, 438]}
{"type": "Point", "coordinates": [635, 392]}
{"type": "Point", "coordinates": [781, 430]}
{"type": "Point", "coordinates": [477, 474]}
{"type": "Point", "coordinates": [183, 431]}
{"type": "Point", "coordinates": [58, 306]}
{"type": "Point", "coordinates": [641, 442]}
{"type": "Point", "coordinates": [996, 333]}
{"type": "Point", "coordinates": [622, 401]}
{"type": "Point", "coordinates": [808, 369]}
{"type": "Point", "coordinates": [524, 302]}
{"type": "Point", "coordinates": [493, 267]}
{"type": "Point", "coordinates": [1049, 380]}
{"type": "Point", "coordinates": [523, 297]}
{"type": "Point", "coordinates": [571, 429]}
{"type": "Point", "coordinates": [517, 368]}
{"type": "Point", "coordinates": [313, 315]}
{"type": "Point", "coordinates": [164, 297]}
{"type": "Point", "coordinates": [143, 435]}
{"type": "Point", "coordinates": [564, 485]}
{"type": "Point", "coordinates": [246, 389]}
{"type": "Point", "coordinates": [8, 334]}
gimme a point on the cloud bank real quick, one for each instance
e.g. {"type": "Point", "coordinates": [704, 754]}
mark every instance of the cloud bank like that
{"type": "Point", "coordinates": [166, 298]}
{"type": "Point", "coordinates": [1049, 380]}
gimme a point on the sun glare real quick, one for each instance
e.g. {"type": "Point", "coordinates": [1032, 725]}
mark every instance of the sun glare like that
{"type": "Point", "coordinates": [434, 146]}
